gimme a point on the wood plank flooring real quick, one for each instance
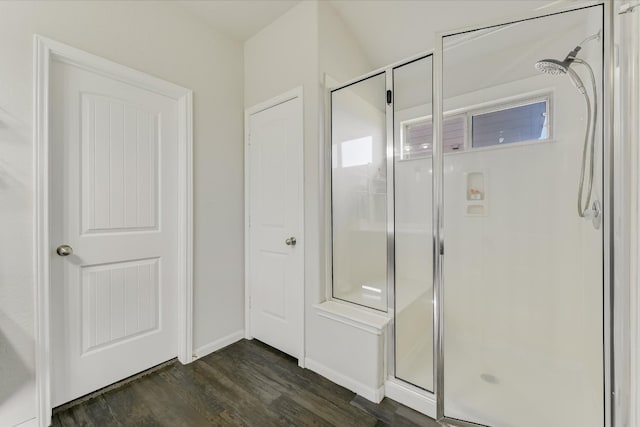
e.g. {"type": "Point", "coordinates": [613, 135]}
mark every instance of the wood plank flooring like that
{"type": "Point", "coordinates": [245, 384]}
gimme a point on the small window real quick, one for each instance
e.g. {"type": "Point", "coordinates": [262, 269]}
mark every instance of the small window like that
{"type": "Point", "coordinates": [418, 137]}
{"type": "Point", "coordinates": [516, 124]}
{"type": "Point", "coordinates": [357, 152]}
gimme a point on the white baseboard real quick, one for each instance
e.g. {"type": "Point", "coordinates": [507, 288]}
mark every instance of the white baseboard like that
{"type": "Point", "coordinates": [218, 344]}
{"type": "Point", "coordinates": [411, 397]}
{"type": "Point", "coordinates": [369, 393]}
{"type": "Point", "coordinates": [33, 422]}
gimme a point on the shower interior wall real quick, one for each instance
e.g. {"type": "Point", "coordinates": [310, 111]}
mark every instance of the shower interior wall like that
{"type": "Point", "coordinates": [551, 271]}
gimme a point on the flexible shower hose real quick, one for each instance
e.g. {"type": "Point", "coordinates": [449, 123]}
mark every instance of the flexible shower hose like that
{"type": "Point", "coordinates": [588, 148]}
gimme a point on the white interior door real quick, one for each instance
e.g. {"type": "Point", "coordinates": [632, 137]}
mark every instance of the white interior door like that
{"type": "Point", "coordinates": [276, 259]}
{"type": "Point", "coordinates": [114, 194]}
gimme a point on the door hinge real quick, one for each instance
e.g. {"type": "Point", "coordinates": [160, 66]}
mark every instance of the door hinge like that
{"type": "Point", "coordinates": [389, 97]}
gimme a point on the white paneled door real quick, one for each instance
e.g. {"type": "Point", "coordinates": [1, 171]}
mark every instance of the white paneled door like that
{"type": "Point", "coordinates": [114, 230]}
{"type": "Point", "coordinates": [276, 270]}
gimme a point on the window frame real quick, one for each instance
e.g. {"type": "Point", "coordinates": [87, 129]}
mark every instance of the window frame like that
{"type": "Point", "coordinates": [484, 108]}
{"type": "Point", "coordinates": [405, 123]}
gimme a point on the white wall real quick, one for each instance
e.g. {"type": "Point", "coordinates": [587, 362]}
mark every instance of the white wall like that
{"type": "Point", "coordinates": [284, 55]}
{"type": "Point", "coordinates": [162, 40]}
{"type": "Point", "coordinates": [524, 283]}
{"type": "Point", "coordinates": [341, 55]}
{"type": "Point", "coordinates": [279, 58]}
{"type": "Point", "coordinates": [298, 49]}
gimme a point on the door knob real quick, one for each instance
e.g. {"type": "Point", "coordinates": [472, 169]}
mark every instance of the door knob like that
{"type": "Point", "coordinates": [291, 241]}
{"type": "Point", "coordinates": [64, 250]}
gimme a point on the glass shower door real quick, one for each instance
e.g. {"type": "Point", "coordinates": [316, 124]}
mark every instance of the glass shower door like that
{"type": "Point", "coordinates": [520, 338]}
{"type": "Point", "coordinates": [413, 147]}
{"type": "Point", "coordinates": [359, 192]}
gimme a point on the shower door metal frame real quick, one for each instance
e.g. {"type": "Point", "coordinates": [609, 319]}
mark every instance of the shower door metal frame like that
{"type": "Point", "coordinates": [428, 395]}
{"type": "Point", "coordinates": [608, 217]}
{"type": "Point", "coordinates": [627, 128]}
{"type": "Point", "coordinates": [326, 157]}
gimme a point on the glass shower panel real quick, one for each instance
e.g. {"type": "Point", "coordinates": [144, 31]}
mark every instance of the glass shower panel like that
{"type": "Point", "coordinates": [359, 192]}
{"type": "Point", "coordinates": [523, 270]}
{"type": "Point", "coordinates": [413, 144]}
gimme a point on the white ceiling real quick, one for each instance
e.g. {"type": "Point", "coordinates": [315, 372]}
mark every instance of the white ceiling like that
{"type": "Point", "coordinates": [239, 19]}
{"type": "Point", "coordinates": [479, 59]}
{"type": "Point", "coordinates": [387, 30]}
{"type": "Point", "coordinates": [508, 53]}
{"type": "Point", "coordinates": [391, 30]}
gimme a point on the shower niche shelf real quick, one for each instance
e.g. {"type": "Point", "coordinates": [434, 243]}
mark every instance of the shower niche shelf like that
{"type": "Point", "coordinates": [475, 194]}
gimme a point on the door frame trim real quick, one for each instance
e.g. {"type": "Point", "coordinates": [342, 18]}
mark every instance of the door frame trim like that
{"type": "Point", "coordinates": [280, 99]}
{"type": "Point", "coordinates": [44, 51]}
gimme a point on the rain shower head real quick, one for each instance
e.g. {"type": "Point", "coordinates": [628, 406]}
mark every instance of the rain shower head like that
{"type": "Point", "coordinates": [555, 66]}
{"type": "Point", "coordinates": [552, 66]}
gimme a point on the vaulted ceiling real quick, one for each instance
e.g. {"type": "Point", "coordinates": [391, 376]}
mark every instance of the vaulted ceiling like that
{"type": "Point", "coordinates": [391, 30]}
{"type": "Point", "coordinates": [239, 19]}
{"type": "Point", "coordinates": [387, 30]}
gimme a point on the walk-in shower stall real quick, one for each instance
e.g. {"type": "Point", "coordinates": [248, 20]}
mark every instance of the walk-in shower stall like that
{"type": "Point", "coordinates": [470, 202]}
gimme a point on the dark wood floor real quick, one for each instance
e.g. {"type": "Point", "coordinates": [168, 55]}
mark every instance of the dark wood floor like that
{"type": "Point", "coordinates": [245, 384]}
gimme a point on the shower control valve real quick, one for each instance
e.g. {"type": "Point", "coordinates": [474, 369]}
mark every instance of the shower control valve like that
{"type": "Point", "coordinates": [594, 214]}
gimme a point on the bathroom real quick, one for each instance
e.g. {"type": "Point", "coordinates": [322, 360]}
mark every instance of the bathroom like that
{"type": "Point", "coordinates": [465, 224]}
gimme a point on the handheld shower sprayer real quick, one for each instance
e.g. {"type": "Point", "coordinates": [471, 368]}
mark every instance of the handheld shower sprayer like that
{"type": "Point", "coordinates": [557, 67]}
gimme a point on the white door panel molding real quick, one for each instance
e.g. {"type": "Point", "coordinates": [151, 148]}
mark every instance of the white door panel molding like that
{"type": "Point", "coordinates": [274, 251]}
{"type": "Point", "coordinates": [113, 207]}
